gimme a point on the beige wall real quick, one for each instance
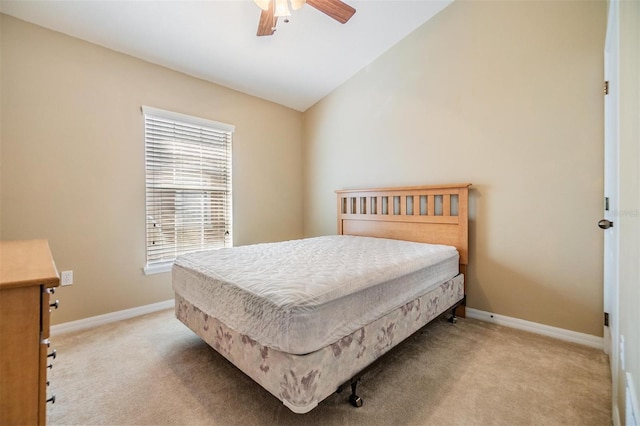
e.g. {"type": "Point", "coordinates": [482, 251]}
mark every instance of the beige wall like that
{"type": "Point", "coordinates": [72, 161]}
{"type": "Point", "coordinates": [506, 95]}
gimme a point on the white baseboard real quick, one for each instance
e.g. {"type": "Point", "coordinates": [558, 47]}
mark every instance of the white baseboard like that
{"type": "Point", "coordinates": [91, 322]}
{"type": "Point", "coordinates": [534, 327]}
{"type": "Point", "coordinates": [558, 333]}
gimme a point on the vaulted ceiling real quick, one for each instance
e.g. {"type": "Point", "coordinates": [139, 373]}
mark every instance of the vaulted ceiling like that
{"type": "Point", "coordinates": [302, 62]}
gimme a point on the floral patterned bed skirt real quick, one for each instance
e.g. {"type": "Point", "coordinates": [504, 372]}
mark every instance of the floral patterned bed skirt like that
{"type": "Point", "coordinates": [302, 381]}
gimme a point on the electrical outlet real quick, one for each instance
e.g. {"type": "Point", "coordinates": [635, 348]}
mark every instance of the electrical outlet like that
{"type": "Point", "coordinates": [66, 277]}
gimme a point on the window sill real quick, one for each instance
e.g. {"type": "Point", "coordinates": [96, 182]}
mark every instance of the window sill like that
{"type": "Point", "coordinates": [158, 268]}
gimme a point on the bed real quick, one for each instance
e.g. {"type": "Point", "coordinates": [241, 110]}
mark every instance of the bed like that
{"type": "Point", "coordinates": [303, 318]}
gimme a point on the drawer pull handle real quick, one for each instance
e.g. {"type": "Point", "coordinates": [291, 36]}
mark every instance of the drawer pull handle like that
{"type": "Point", "coordinates": [46, 342]}
{"type": "Point", "coordinates": [53, 354]}
{"type": "Point", "coordinates": [52, 399]}
{"type": "Point", "coordinates": [50, 366]}
{"type": "Point", "coordinates": [51, 290]}
{"type": "Point", "coordinates": [55, 304]}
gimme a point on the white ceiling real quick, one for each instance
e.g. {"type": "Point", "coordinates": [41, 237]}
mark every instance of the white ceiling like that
{"type": "Point", "coordinates": [301, 63]}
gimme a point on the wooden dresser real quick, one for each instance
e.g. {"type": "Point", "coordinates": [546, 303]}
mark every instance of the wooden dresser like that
{"type": "Point", "coordinates": [28, 276]}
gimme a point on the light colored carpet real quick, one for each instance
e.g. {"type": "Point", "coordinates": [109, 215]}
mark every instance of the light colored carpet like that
{"type": "Point", "coordinates": [152, 370]}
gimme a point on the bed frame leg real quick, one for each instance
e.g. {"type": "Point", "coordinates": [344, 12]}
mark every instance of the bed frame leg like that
{"type": "Point", "coordinates": [454, 318]}
{"type": "Point", "coordinates": [354, 399]}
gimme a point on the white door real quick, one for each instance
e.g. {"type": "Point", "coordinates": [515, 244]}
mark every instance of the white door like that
{"type": "Point", "coordinates": [610, 216]}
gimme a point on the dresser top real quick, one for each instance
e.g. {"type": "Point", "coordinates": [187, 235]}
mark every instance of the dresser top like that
{"type": "Point", "coordinates": [26, 263]}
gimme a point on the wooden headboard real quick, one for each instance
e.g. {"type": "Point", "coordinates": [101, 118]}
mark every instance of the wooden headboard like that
{"type": "Point", "coordinates": [436, 214]}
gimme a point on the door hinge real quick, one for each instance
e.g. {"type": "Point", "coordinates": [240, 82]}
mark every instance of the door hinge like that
{"type": "Point", "coordinates": [606, 319]}
{"type": "Point", "coordinates": [605, 88]}
{"type": "Point", "coordinates": [606, 204]}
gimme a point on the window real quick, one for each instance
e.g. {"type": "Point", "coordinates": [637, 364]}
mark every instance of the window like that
{"type": "Point", "coordinates": [188, 186]}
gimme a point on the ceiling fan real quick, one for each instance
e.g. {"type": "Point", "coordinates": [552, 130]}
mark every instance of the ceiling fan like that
{"type": "Point", "coordinates": [274, 9]}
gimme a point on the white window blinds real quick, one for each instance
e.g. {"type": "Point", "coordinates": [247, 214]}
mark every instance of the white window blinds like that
{"type": "Point", "coordinates": [188, 185]}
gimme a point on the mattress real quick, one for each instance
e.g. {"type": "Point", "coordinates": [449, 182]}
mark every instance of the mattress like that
{"type": "Point", "coordinates": [301, 295]}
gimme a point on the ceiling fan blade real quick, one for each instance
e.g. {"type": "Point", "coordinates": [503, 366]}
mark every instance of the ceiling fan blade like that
{"type": "Point", "coordinates": [268, 21]}
{"type": "Point", "coordinates": [336, 9]}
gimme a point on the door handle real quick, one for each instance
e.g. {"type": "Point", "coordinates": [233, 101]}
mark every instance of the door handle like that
{"type": "Point", "coordinates": [605, 224]}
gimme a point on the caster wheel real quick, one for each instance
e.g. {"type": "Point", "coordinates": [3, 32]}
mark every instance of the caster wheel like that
{"type": "Point", "coordinates": [355, 400]}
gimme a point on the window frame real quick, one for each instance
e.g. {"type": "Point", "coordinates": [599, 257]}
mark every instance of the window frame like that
{"type": "Point", "coordinates": [182, 120]}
